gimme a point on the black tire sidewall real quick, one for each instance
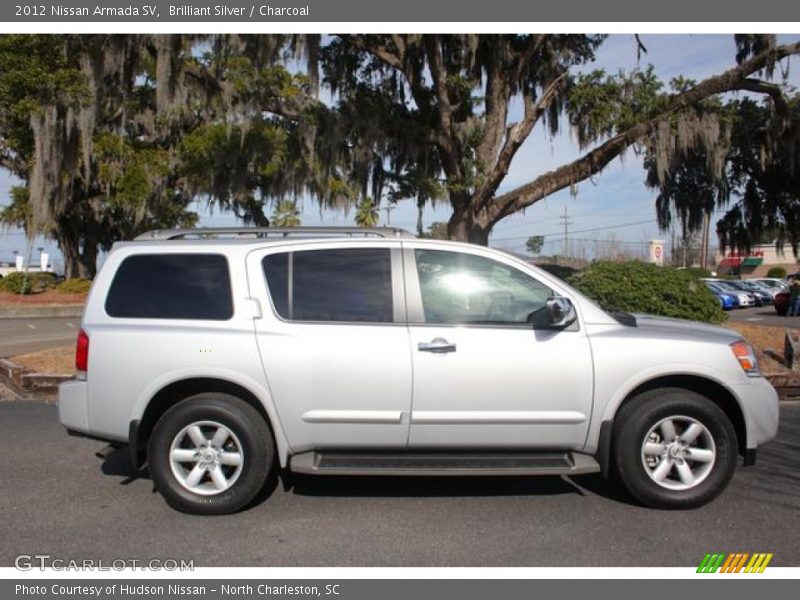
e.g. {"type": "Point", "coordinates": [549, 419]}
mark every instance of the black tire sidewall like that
{"type": "Point", "coordinates": [641, 415]}
{"type": "Point", "coordinates": [248, 426]}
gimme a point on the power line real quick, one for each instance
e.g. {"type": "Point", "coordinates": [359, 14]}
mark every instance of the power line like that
{"type": "Point", "coordinates": [606, 228]}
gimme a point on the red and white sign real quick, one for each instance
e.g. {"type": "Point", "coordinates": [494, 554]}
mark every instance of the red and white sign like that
{"type": "Point", "coordinates": [657, 252]}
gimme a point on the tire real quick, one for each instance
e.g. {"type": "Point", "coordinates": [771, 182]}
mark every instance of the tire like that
{"type": "Point", "coordinates": [210, 454]}
{"type": "Point", "coordinates": [653, 469]}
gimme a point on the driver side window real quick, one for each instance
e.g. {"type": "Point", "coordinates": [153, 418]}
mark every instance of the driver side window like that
{"type": "Point", "coordinates": [464, 289]}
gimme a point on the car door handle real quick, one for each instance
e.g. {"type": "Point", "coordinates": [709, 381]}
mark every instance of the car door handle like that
{"type": "Point", "coordinates": [439, 345]}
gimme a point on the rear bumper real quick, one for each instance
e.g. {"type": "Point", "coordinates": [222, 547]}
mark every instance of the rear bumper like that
{"type": "Point", "coordinates": [73, 406]}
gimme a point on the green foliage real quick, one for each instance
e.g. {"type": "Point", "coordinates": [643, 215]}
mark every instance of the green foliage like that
{"type": "Point", "coordinates": [601, 104]}
{"type": "Point", "coordinates": [367, 213]}
{"type": "Point", "coordinates": [24, 283]}
{"type": "Point", "coordinates": [645, 288]}
{"type": "Point", "coordinates": [560, 271]}
{"type": "Point", "coordinates": [35, 70]}
{"type": "Point", "coordinates": [534, 244]}
{"type": "Point", "coordinates": [697, 272]}
{"type": "Point", "coordinates": [286, 214]}
{"type": "Point", "coordinates": [17, 283]}
{"type": "Point", "coordinates": [18, 213]}
{"type": "Point", "coordinates": [437, 231]}
{"type": "Point", "coordinates": [74, 286]}
{"type": "Point", "coordinates": [42, 281]}
{"type": "Point", "coordinates": [777, 273]}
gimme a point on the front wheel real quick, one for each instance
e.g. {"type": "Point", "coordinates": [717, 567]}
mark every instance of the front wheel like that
{"type": "Point", "coordinates": [674, 448]}
{"type": "Point", "coordinates": [210, 454]}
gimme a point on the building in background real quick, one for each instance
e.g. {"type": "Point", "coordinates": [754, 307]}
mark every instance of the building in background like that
{"type": "Point", "coordinates": [757, 262]}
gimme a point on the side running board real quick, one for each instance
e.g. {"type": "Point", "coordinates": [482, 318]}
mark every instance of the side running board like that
{"type": "Point", "coordinates": [410, 463]}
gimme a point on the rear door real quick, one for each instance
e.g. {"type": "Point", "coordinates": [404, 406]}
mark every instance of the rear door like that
{"type": "Point", "coordinates": [334, 343]}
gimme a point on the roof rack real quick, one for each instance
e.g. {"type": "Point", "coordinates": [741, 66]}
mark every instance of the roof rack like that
{"type": "Point", "coordinates": [265, 232]}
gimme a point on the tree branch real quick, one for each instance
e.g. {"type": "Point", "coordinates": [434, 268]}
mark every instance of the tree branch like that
{"type": "Point", "coordinates": [439, 75]}
{"type": "Point", "coordinates": [382, 53]}
{"type": "Point", "coordinates": [498, 91]}
{"type": "Point", "coordinates": [771, 89]}
{"type": "Point", "coordinates": [515, 137]}
{"type": "Point", "coordinates": [594, 161]}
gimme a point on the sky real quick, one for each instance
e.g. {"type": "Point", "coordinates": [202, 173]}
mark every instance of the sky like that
{"type": "Point", "coordinates": [614, 204]}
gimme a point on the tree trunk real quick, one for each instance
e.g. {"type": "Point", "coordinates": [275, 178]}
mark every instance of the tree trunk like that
{"type": "Point", "coordinates": [464, 227]}
{"type": "Point", "coordinates": [79, 263]}
{"type": "Point", "coordinates": [71, 251]}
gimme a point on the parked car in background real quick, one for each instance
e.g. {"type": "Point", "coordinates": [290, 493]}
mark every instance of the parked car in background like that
{"type": "Point", "coordinates": [744, 298]}
{"type": "Point", "coordinates": [782, 303]}
{"type": "Point", "coordinates": [762, 296]}
{"type": "Point", "coordinates": [774, 286]}
{"type": "Point", "coordinates": [726, 301]}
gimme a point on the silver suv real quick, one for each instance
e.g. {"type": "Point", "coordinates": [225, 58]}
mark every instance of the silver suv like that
{"type": "Point", "coordinates": [220, 356]}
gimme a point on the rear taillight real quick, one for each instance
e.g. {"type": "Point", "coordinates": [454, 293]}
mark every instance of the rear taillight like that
{"type": "Point", "coordinates": [82, 352]}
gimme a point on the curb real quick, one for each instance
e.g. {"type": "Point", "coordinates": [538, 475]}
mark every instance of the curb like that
{"type": "Point", "coordinates": [24, 385]}
{"type": "Point", "coordinates": [35, 312]}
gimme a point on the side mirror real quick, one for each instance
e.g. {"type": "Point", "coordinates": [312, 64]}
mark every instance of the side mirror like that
{"type": "Point", "coordinates": [560, 312]}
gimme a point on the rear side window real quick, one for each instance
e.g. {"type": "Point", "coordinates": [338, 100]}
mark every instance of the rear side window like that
{"type": "Point", "coordinates": [345, 284]}
{"type": "Point", "coordinates": [171, 286]}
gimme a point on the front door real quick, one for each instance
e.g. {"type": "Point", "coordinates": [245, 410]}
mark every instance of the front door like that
{"type": "Point", "coordinates": [335, 346]}
{"type": "Point", "coordinates": [487, 371]}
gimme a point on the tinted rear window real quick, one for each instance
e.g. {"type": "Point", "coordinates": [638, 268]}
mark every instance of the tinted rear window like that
{"type": "Point", "coordinates": [171, 286]}
{"type": "Point", "coordinates": [348, 284]}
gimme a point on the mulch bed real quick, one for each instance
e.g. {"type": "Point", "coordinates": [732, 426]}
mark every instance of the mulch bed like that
{"type": "Point", "coordinates": [47, 297]}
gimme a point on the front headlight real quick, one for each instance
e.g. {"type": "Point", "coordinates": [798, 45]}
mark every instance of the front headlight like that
{"type": "Point", "coordinates": [746, 356]}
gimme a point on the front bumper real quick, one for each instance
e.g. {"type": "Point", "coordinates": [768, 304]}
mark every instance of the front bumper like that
{"type": "Point", "coordinates": [759, 403]}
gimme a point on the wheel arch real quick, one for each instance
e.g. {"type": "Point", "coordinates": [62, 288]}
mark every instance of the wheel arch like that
{"type": "Point", "coordinates": [175, 391]}
{"type": "Point", "coordinates": [709, 388]}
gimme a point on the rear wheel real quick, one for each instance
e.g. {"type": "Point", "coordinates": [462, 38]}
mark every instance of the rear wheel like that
{"type": "Point", "coordinates": [674, 448]}
{"type": "Point", "coordinates": [210, 454]}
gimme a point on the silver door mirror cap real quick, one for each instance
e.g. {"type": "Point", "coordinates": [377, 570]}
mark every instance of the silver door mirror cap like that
{"type": "Point", "coordinates": [560, 312]}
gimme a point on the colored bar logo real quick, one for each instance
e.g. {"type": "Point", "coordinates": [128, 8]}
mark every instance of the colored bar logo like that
{"type": "Point", "coordinates": [738, 562]}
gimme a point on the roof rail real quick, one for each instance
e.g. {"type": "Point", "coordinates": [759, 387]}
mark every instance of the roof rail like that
{"type": "Point", "coordinates": [264, 232]}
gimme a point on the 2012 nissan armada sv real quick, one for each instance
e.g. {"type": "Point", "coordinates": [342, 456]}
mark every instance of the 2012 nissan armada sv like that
{"type": "Point", "coordinates": [221, 355]}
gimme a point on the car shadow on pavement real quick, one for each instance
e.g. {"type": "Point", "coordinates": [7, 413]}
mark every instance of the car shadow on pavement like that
{"type": "Point", "coordinates": [447, 486]}
{"type": "Point", "coordinates": [116, 463]}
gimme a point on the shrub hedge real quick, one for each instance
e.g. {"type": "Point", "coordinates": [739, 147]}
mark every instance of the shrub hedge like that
{"type": "Point", "coordinates": [777, 272]}
{"type": "Point", "coordinates": [645, 288]}
{"type": "Point", "coordinates": [27, 283]}
{"type": "Point", "coordinates": [74, 286]}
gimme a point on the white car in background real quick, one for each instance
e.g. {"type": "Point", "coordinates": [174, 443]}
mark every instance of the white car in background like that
{"type": "Point", "coordinates": [771, 285]}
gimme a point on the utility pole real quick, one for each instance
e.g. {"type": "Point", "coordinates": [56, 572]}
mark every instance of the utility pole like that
{"type": "Point", "coordinates": [567, 223]}
{"type": "Point", "coordinates": [389, 208]}
{"type": "Point", "coordinates": [704, 242]}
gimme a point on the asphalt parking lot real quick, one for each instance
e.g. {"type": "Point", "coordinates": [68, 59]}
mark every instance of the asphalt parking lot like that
{"type": "Point", "coordinates": [58, 498]}
{"type": "Point", "coordinates": [19, 336]}
{"type": "Point", "coordinates": [763, 315]}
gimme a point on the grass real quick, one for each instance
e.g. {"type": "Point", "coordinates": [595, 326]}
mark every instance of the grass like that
{"type": "Point", "coordinates": [59, 360]}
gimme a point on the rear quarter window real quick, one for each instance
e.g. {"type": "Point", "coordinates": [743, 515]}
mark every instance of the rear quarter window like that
{"type": "Point", "coordinates": [171, 286]}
